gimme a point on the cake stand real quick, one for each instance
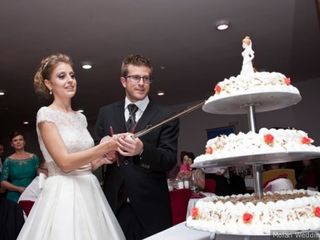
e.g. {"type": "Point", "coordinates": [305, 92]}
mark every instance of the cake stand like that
{"type": "Point", "coordinates": [249, 104]}
{"type": "Point", "coordinates": [262, 101]}
{"type": "Point", "coordinates": [259, 159]}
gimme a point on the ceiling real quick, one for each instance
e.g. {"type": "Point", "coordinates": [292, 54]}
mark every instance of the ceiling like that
{"type": "Point", "coordinates": [179, 36]}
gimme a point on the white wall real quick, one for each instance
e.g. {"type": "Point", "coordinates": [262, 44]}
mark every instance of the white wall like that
{"type": "Point", "coordinates": [307, 114]}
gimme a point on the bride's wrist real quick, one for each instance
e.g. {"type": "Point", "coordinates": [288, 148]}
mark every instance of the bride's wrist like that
{"type": "Point", "coordinates": [94, 164]}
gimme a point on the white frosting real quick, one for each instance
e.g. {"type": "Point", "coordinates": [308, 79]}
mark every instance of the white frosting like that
{"type": "Point", "coordinates": [293, 214]}
{"type": "Point", "coordinates": [253, 83]}
{"type": "Point", "coordinates": [251, 143]}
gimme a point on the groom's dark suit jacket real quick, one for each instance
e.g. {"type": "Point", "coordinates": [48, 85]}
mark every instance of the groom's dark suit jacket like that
{"type": "Point", "coordinates": [141, 178]}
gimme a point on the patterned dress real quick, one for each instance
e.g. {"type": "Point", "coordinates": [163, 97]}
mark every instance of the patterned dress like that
{"type": "Point", "coordinates": [20, 173]}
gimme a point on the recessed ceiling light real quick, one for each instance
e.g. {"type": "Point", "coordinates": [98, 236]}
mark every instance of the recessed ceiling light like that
{"type": "Point", "coordinates": [2, 92]}
{"type": "Point", "coordinates": [160, 93]}
{"type": "Point", "coordinates": [25, 122]}
{"type": "Point", "coordinates": [222, 25]}
{"type": "Point", "coordinates": [86, 66]}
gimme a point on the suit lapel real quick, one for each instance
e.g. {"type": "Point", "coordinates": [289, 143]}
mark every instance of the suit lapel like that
{"type": "Point", "coordinates": [119, 123]}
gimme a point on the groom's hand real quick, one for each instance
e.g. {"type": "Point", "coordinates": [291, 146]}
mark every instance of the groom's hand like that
{"type": "Point", "coordinates": [130, 146]}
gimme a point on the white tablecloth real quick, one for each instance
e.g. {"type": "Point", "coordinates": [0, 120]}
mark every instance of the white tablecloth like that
{"type": "Point", "coordinates": [180, 231]}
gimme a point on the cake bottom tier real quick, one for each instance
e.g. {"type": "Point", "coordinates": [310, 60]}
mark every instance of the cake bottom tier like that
{"type": "Point", "coordinates": [297, 210]}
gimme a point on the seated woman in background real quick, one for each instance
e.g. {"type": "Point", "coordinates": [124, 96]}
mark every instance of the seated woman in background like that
{"type": "Point", "coordinates": [196, 176]}
{"type": "Point", "coordinates": [19, 169]}
{"type": "Point", "coordinates": [186, 159]}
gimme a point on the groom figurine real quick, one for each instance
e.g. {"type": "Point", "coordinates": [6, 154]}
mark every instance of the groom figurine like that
{"type": "Point", "coordinates": [136, 187]}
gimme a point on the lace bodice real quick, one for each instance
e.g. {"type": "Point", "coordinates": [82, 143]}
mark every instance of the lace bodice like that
{"type": "Point", "coordinates": [72, 127]}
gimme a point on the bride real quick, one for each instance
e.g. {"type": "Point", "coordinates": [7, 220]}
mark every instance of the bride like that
{"type": "Point", "coordinates": [248, 55]}
{"type": "Point", "coordinates": [71, 205]}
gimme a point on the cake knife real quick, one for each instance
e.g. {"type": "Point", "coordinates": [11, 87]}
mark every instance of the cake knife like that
{"type": "Point", "coordinates": [185, 111]}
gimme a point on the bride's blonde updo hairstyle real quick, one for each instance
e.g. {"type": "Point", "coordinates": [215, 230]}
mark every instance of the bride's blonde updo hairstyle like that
{"type": "Point", "coordinates": [45, 70]}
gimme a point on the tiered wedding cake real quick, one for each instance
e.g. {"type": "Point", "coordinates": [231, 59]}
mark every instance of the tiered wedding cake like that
{"type": "Point", "coordinates": [250, 214]}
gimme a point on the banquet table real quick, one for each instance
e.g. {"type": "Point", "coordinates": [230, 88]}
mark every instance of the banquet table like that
{"type": "Point", "coordinates": [182, 232]}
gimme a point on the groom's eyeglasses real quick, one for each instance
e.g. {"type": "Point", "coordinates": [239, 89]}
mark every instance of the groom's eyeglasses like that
{"type": "Point", "coordinates": [137, 79]}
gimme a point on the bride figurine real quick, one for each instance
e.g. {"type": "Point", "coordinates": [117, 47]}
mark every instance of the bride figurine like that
{"type": "Point", "coordinates": [248, 55]}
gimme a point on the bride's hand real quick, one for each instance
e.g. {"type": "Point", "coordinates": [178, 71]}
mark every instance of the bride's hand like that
{"type": "Point", "coordinates": [111, 143]}
{"type": "Point", "coordinates": [95, 164]}
{"type": "Point", "coordinates": [105, 160]}
{"type": "Point", "coordinates": [104, 139]}
{"type": "Point", "coordinates": [111, 156]}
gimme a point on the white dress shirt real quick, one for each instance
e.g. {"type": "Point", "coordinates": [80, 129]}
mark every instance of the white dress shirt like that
{"type": "Point", "coordinates": [142, 105]}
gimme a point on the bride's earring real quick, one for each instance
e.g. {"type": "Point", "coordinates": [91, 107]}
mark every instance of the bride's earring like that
{"type": "Point", "coordinates": [50, 92]}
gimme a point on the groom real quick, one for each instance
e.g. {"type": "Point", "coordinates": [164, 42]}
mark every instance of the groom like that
{"type": "Point", "coordinates": [136, 187]}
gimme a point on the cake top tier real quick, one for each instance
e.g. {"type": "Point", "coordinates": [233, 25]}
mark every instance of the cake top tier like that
{"type": "Point", "coordinates": [267, 91]}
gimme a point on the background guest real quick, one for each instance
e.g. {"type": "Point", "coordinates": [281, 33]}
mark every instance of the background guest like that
{"type": "Point", "coordinates": [195, 176]}
{"type": "Point", "coordinates": [32, 191]}
{"type": "Point", "coordinates": [19, 169]}
{"type": "Point", "coordinates": [11, 214]}
{"type": "Point", "coordinates": [186, 160]}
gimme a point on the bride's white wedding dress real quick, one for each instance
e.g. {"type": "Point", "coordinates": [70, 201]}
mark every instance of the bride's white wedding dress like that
{"type": "Point", "coordinates": [71, 205]}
